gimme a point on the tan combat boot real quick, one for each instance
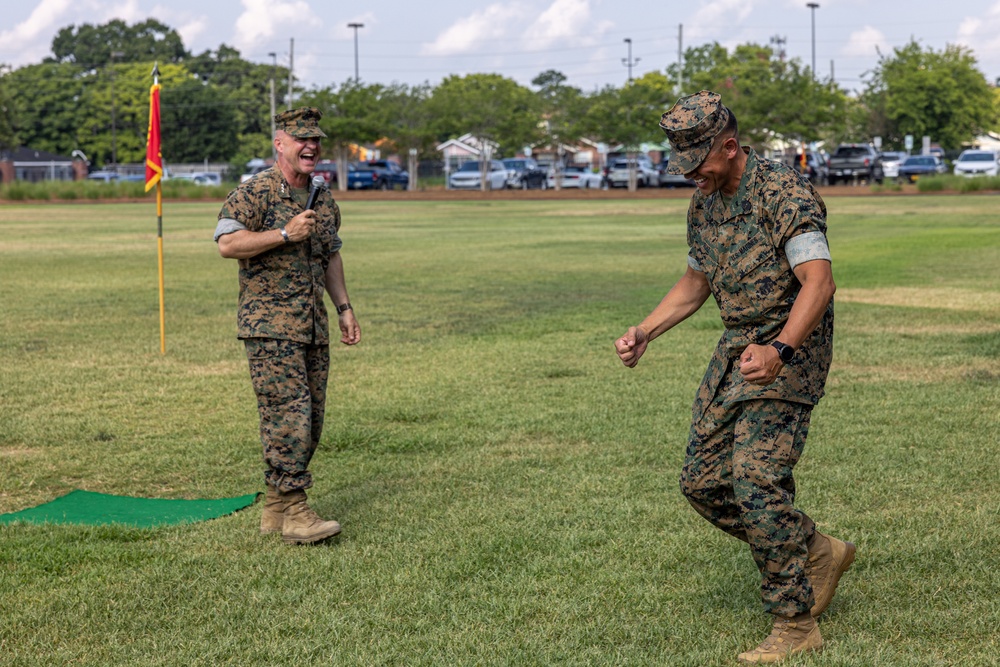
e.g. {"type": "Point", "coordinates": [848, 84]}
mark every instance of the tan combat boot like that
{"type": "Point", "coordinates": [275, 503]}
{"type": "Point", "coordinates": [302, 525]}
{"type": "Point", "coordinates": [829, 558]}
{"type": "Point", "coordinates": [788, 637]}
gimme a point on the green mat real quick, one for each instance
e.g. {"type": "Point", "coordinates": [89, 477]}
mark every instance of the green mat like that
{"type": "Point", "coordinates": [87, 508]}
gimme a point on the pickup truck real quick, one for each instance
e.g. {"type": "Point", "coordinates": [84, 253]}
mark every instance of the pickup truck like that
{"type": "Point", "coordinates": [855, 162]}
{"type": "Point", "coordinates": [355, 179]}
{"type": "Point", "coordinates": [378, 175]}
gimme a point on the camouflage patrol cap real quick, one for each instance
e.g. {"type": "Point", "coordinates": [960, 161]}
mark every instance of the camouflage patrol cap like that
{"type": "Point", "coordinates": [302, 122]}
{"type": "Point", "coordinates": [691, 125]}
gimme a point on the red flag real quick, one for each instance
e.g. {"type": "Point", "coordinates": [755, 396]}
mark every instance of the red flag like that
{"type": "Point", "coordinates": [154, 161]}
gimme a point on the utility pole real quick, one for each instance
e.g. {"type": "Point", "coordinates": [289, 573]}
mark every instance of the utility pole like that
{"type": "Point", "coordinates": [274, 66]}
{"type": "Point", "coordinates": [357, 79]}
{"type": "Point", "coordinates": [813, 6]}
{"type": "Point", "coordinates": [780, 42]}
{"type": "Point", "coordinates": [291, 60]}
{"type": "Point", "coordinates": [114, 120]}
{"type": "Point", "coordinates": [628, 62]}
{"type": "Point", "coordinates": [680, 59]}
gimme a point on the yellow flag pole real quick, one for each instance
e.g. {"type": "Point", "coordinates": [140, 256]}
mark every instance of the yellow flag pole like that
{"type": "Point", "coordinates": [159, 253]}
{"type": "Point", "coordinates": [154, 173]}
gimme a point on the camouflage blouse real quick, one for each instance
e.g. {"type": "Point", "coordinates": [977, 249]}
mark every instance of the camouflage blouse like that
{"type": "Point", "coordinates": [741, 250]}
{"type": "Point", "coordinates": [281, 290]}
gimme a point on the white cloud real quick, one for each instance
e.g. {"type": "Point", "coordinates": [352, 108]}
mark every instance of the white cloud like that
{"type": "Point", "coordinates": [982, 35]}
{"type": "Point", "coordinates": [465, 34]}
{"type": "Point", "coordinates": [45, 16]}
{"type": "Point", "coordinates": [715, 20]}
{"type": "Point", "coordinates": [865, 42]}
{"type": "Point", "coordinates": [563, 20]}
{"type": "Point", "coordinates": [128, 12]}
{"type": "Point", "coordinates": [261, 19]}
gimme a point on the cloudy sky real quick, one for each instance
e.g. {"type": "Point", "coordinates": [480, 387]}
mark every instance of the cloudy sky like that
{"type": "Point", "coordinates": [415, 42]}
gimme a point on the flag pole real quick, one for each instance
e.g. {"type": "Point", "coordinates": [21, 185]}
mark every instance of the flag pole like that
{"type": "Point", "coordinates": [159, 257]}
{"type": "Point", "coordinates": [154, 174]}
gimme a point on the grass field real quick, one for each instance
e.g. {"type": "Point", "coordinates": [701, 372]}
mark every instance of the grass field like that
{"type": "Point", "coordinates": [508, 490]}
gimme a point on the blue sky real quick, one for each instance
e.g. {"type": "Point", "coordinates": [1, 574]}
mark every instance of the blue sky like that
{"type": "Point", "coordinates": [415, 42]}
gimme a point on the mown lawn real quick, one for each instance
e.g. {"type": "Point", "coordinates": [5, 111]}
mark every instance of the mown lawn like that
{"type": "Point", "coordinates": [508, 490]}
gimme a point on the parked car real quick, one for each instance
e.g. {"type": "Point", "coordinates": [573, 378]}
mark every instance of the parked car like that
{"type": "Point", "coordinates": [253, 171]}
{"type": "Point", "coordinates": [855, 162]}
{"type": "Point", "coordinates": [668, 180]}
{"type": "Point", "coordinates": [356, 180]}
{"type": "Point", "coordinates": [328, 170]}
{"type": "Point", "coordinates": [102, 176]}
{"type": "Point", "coordinates": [645, 173]}
{"type": "Point", "coordinates": [977, 162]}
{"type": "Point", "coordinates": [387, 175]}
{"type": "Point", "coordinates": [574, 176]}
{"type": "Point", "coordinates": [523, 173]}
{"type": "Point", "coordinates": [890, 163]}
{"type": "Point", "coordinates": [815, 169]}
{"type": "Point", "coordinates": [916, 166]}
{"type": "Point", "coordinates": [467, 177]}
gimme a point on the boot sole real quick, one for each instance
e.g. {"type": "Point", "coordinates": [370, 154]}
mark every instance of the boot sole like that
{"type": "Point", "coordinates": [312, 539]}
{"type": "Point", "coordinates": [844, 566]}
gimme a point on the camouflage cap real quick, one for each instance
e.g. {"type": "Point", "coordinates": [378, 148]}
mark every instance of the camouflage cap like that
{"type": "Point", "coordinates": [691, 125]}
{"type": "Point", "coordinates": [302, 122]}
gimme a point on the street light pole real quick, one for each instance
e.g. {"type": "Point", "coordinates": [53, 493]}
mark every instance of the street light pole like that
{"type": "Point", "coordinates": [813, 6]}
{"type": "Point", "coordinates": [274, 66]}
{"type": "Point", "coordinates": [356, 26]}
{"type": "Point", "coordinates": [114, 121]}
{"type": "Point", "coordinates": [628, 62]}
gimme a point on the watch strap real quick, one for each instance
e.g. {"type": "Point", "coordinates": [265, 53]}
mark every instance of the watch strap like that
{"type": "Point", "coordinates": [786, 352]}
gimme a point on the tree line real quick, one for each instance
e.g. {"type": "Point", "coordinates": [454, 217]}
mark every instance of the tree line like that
{"type": "Point", "coordinates": [92, 95]}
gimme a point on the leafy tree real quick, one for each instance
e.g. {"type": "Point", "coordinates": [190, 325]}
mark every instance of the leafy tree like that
{"type": "Point", "coordinates": [769, 96]}
{"type": "Point", "coordinates": [116, 131]}
{"type": "Point", "coordinates": [929, 93]}
{"type": "Point", "coordinates": [562, 107]}
{"type": "Point", "coordinates": [408, 123]}
{"type": "Point", "coordinates": [491, 107]}
{"type": "Point", "coordinates": [628, 116]}
{"type": "Point", "coordinates": [244, 88]}
{"type": "Point", "coordinates": [197, 123]}
{"type": "Point", "coordinates": [49, 101]}
{"type": "Point", "coordinates": [8, 135]}
{"type": "Point", "coordinates": [96, 46]}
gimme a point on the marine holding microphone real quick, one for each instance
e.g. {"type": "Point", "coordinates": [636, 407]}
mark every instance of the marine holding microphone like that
{"type": "Point", "coordinates": [284, 231]}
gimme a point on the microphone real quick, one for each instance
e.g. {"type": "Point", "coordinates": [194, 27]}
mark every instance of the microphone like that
{"type": "Point", "coordinates": [318, 183]}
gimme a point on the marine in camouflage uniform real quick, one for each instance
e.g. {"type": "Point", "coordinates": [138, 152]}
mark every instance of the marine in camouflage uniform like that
{"type": "Point", "coordinates": [757, 244]}
{"type": "Point", "coordinates": [288, 258]}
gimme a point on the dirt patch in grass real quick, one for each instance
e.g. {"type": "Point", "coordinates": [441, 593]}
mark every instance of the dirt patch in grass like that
{"type": "Point", "coordinates": [949, 298]}
{"type": "Point", "coordinates": [979, 373]}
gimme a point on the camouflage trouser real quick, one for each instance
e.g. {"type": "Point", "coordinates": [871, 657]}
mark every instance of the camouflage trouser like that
{"type": "Point", "coordinates": [290, 382]}
{"type": "Point", "coordinates": [738, 475]}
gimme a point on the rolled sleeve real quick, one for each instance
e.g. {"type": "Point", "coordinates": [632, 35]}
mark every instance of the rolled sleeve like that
{"type": "Point", "coordinates": [807, 247]}
{"type": "Point", "coordinates": [228, 226]}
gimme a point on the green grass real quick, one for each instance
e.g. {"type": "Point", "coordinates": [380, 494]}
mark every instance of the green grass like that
{"type": "Point", "coordinates": [18, 191]}
{"type": "Point", "coordinates": [508, 490]}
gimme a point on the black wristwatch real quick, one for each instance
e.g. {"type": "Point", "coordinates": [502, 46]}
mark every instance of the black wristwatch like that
{"type": "Point", "coordinates": [786, 352]}
{"type": "Point", "coordinates": [343, 308]}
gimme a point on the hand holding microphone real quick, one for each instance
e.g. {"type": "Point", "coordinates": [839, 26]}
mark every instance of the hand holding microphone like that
{"type": "Point", "coordinates": [301, 226]}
